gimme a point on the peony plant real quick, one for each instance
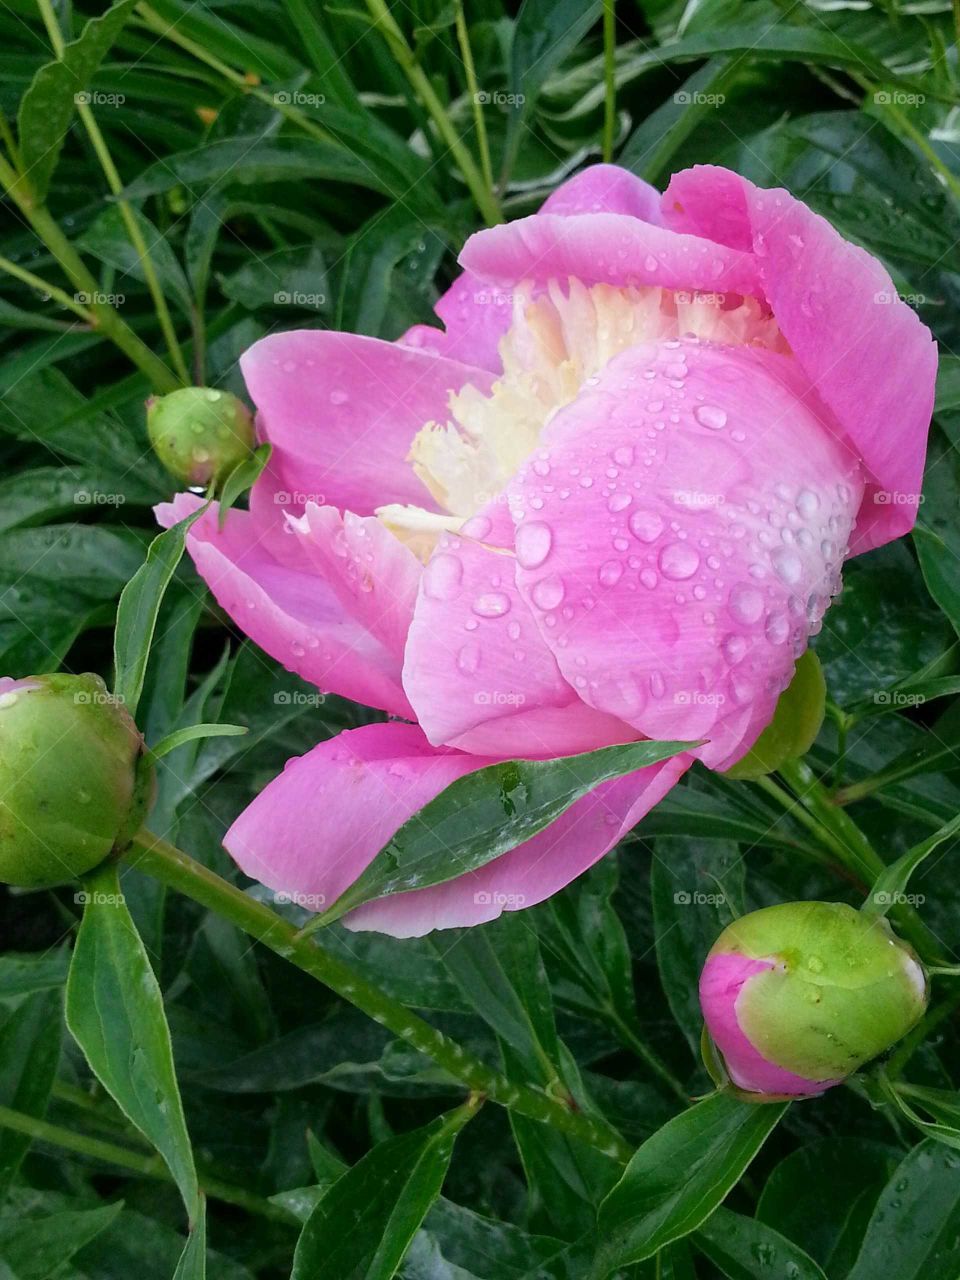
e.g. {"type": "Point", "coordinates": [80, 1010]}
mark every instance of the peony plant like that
{"type": "Point", "coordinates": [610, 500]}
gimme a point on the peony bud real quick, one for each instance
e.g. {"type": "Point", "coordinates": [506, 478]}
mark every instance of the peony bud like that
{"type": "Point", "coordinates": [199, 434]}
{"type": "Point", "coordinates": [798, 996]}
{"type": "Point", "coordinates": [73, 783]}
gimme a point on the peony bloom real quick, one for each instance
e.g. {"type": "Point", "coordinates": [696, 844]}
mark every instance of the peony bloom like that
{"type": "Point", "coordinates": [609, 500]}
{"type": "Point", "coordinates": [798, 996]}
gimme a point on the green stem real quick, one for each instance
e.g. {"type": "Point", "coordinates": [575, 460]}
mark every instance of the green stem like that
{"type": "Point", "coordinates": [841, 835]}
{"type": "Point", "coordinates": [126, 212]}
{"type": "Point", "coordinates": [104, 317]}
{"type": "Point", "coordinates": [45, 289]}
{"type": "Point", "coordinates": [149, 1166]}
{"type": "Point", "coordinates": [463, 38]}
{"type": "Point", "coordinates": [420, 83]}
{"type": "Point", "coordinates": [610, 78]}
{"type": "Point", "coordinates": [177, 870]}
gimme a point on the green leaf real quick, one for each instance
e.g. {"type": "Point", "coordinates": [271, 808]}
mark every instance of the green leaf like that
{"type": "Point", "coordinates": [192, 732]}
{"type": "Point", "coordinates": [653, 144]}
{"type": "Point", "coordinates": [890, 887]}
{"type": "Point", "coordinates": [745, 1249]}
{"type": "Point", "coordinates": [936, 535]}
{"type": "Point", "coordinates": [696, 890]}
{"type": "Point", "coordinates": [486, 813]}
{"type": "Point", "coordinates": [680, 1175]}
{"type": "Point", "coordinates": [37, 1248]}
{"type": "Point", "coordinates": [115, 1013]}
{"type": "Point", "coordinates": [138, 609]}
{"type": "Point", "coordinates": [109, 240]}
{"type": "Point", "coordinates": [914, 1233]}
{"type": "Point", "coordinates": [47, 106]}
{"type": "Point", "coordinates": [29, 1055]}
{"type": "Point", "coordinates": [24, 975]}
{"type": "Point", "coordinates": [822, 1195]}
{"type": "Point", "coordinates": [363, 1226]}
{"type": "Point", "coordinates": [544, 33]}
{"type": "Point", "coordinates": [243, 477]}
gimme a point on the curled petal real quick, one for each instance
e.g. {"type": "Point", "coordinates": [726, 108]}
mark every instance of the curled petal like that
{"type": "Point", "coordinates": [722, 982]}
{"type": "Point", "coordinates": [871, 359]}
{"type": "Point", "coordinates": [341, 412]}
{"type": "Point", "coordinates": [288, 608]}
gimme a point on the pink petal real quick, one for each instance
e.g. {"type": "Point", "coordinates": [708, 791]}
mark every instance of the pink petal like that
{"type": "Point", "coordinates": [533, 871]}
{"type": "Point", "coordinates": [476, 317]}
{"type": "Point", "coordinates": [341, 412]}
{"type": "Point", "coordinates": [373, 575]}
{"type": "Point", "coordinates": [867, 353]}
{"type": "Point", "coordinates": [722, 983]}
{"type": "Point", "coordinates": [476, 667]}
{"type": "Point", "coordinates": [696, 510]}
{"type": "Point", "coordinates": [605, 248]}
{"type": "Point", "coordinates": [605, 188]}
{"type": "Point", "coordinates": [290, 610]}
{"type": "Point", "coordinates": [313, 829]}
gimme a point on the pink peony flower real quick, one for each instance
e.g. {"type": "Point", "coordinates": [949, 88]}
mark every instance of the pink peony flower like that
{"type": "Point", "coordinates": [609, 501]}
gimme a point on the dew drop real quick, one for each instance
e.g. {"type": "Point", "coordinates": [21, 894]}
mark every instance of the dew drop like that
{"type": "Point", "coordinates": [745, 603]}
{"type": "Point", "coordinates": [533, 543]}
{"type": "Point", "coordinates": [548, 592]}
{"type": "Point", "coordinates": [610, 573]}
{"type": "Point", "coordinates": [678, 561]}
{"type": "Point", "coordinates": [709, 415]}
{"type": "Point", "coordinates": [493, 604]}
{"type": "Point", "coordinates": [646, 525]}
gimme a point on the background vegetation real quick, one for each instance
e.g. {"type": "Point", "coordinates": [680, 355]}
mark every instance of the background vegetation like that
{"type": "Point", "coordinates": [288, 164]}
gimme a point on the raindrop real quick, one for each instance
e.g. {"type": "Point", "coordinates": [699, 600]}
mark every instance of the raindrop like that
{"type": "Point", "coordinates": [646, 525]}
{"type": "Point", "coordinates": [533, 543]}
{"type": "Point", "coordinates": [548, 592]}
{"type": "Point", "coordinates": [745, 603]}
{"type": "Point", "coordinates": [494, 604]}
{"type": "Point", "coordinates": [678, 561]}
{"type": "Point", "coordinates": [610, 573]}
{"type": "Point", "coordinates": [709, 415]}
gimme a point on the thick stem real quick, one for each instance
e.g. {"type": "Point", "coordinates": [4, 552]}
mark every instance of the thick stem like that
{"type": "Point", "coordinates": [610, 78]}
{"type": "Point", "coordinates": [45, 289]}
{"type": "Point", "coordinates": [148, 1166]}
{"type": "Point", "coordinates": [177, 870]}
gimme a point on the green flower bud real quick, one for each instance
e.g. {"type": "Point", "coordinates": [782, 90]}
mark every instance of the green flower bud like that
{"type": "Point", "coordinates": [199, 434]}
{"type": "Point", "coordinates": [798, 996]}
{"type": "Point", "coordinates": [74, 786]}
{"type": "Point", "coordinates": [795, 724]}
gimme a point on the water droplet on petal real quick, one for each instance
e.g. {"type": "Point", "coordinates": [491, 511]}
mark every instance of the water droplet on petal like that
{"type": "Point", "coordinates": [548, 592]}
{"type": "Point", "coordinates": [533, 542]}
{"type": "Point", "coordinates": [646, 525]}
{"type": "Point", "coordinates": [745, 603]}
{"type": "Point", "coordinates": [468, 659]}
{"type": "Point", "coordinates": [610, 573]}
{"type": "Point", "coordinates": [442, 576]}
{"type": "Point", "coordinates": [494, 604]}
{"type": "Point", "coordinates": [787, 565]}
{"type": "Point", "coordinates": [678, 561]}
{"type": "Point", "coordinates": [709, 415]}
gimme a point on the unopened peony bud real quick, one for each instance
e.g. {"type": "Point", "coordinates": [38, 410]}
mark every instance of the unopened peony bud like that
{"type": "Point", "coordinates": [199, 434]}
{"type": "Point", "coordinates": [73, 783]}
{"type": "Point", "coordinates": [798, 996]}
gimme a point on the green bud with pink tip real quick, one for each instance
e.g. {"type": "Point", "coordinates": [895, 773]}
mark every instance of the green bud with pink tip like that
{"type": "Point", "coordinates": [798, 996]}
{"type": "Point", "coordinates": [75, 784]}
{"type": "Point", "coordinates": [200, 434]}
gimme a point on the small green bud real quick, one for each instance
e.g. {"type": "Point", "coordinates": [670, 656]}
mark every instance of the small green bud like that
{"type": "Point", "coordinates": [798, 996]}
{"type": "Point", "coordinates": [74, 785]}
{"type": "Point", "coordinates": [199, 434]}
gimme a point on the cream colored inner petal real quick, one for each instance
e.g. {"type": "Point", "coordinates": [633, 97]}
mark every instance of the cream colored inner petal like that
{"type": "Point", "coordinates": [556, 342]}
